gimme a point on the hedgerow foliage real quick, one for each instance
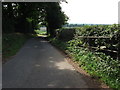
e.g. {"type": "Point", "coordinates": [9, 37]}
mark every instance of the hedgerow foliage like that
{"type": "Point", "coordinates": [96, 64]}
{"type": "Point", "coordinates": [112, 31]}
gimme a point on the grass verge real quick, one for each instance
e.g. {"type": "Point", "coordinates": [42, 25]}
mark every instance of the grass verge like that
{"type": "Point", "coordinates": [11, 43]}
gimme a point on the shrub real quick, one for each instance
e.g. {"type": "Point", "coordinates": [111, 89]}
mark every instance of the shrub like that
{"type": "Point", "coordinates": [66, 34]}
{"type": "Point", "coordinates": [97, 64]}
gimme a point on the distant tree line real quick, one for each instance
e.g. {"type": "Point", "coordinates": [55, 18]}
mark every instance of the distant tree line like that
{"type": "Point", "coordinates": [79, 25]}
{"type": "Point", "coordinates": [25, 17]}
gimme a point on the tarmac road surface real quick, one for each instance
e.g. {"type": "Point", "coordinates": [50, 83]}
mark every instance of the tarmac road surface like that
{"type": "Point", "coordinates": [38, 64]}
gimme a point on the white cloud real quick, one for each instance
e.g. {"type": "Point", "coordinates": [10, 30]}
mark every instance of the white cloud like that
{"type": "Point", "coordinates": [92, 11]}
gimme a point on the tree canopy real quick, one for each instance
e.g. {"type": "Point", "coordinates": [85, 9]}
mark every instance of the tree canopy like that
{"type": "Point", "coordinates": [24, 17]}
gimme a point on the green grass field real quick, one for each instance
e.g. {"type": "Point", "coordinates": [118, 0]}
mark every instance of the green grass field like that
{"type": "Point", "coordinates": [40, 32]}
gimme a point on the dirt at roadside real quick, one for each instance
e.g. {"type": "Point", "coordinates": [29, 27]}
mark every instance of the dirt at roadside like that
{"type": "Point", "coordinates": [91, 82]}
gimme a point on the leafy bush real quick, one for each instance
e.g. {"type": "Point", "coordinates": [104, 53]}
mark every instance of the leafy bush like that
{"type": "Point", "coordinates": [97, 64]}
{"type": "Point", "coordinates": [111, 31]}
{"type": "Point", "coordinates": [66, 34]}
{"type": "Point", "coordinates": [98, 30]}
{"type": "Point", "coordinates": [58, 43]}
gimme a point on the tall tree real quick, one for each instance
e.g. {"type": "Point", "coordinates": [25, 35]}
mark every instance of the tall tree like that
{"type": "Point", "coordinates": [55, 18]}
{"type": "Point", "coordinates": [8, 19]}
{"type": "Point", "coordinates": [25, 16]}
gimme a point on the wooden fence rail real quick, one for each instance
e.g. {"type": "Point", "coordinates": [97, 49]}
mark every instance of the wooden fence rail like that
{"type": "Point", "coordinates": [89, 40]}
{"type": "Point", "coordinates": [95, 37]}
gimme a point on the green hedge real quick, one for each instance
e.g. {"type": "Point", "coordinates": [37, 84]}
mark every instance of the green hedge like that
{"type": "Point", "coordinates": [112, 31]}
{"type": "Point", "coordinates": [97, 64]}
{"type": "Point", "coordinates": [109, 45]}
{"type": "Point", "coordinates": [98, 30]}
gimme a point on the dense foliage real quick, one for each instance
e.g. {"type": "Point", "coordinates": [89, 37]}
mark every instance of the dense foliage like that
{"type": "Point", "coordinates": [110, 37]}
{"type": "Point", "coordinates": [24, 17]}
{"type": "Point", "coordinates": [104, 38]}
{"type": "Point", "coordinates": [98, 30]}
{"type": "Point", "coordinates": [97, 64]}
{"type": "Point", "coordinates": [54, 18]}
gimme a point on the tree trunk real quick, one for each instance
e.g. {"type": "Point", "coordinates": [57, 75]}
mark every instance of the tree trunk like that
{"type": "Point", "coordinates": [52, 33]}
{"type": "Point", "coordinates": [48, 31]}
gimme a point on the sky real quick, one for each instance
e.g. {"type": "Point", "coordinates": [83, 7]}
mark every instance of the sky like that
{"type": "Point", "coordinates": [91, 11]}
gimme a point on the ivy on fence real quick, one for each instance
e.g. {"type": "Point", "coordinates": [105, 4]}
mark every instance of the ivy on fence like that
{"type": "Point", "coordinates": [103, 38]}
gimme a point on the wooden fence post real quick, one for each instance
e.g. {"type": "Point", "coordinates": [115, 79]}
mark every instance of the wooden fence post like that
{"type": "Point", "coordinates": [119, 49]}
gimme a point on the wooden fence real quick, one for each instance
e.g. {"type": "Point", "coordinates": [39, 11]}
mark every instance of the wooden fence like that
{"type": "Point", "coordinates": [113, 51]}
